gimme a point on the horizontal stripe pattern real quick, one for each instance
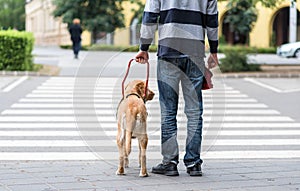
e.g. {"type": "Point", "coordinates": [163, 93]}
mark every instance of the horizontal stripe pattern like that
{"type": "Point", "coordinates": [181, 31]}
{"type": "Point", "coordinates": [187, 13]}
{"type": "Point", "coordinates": [192, 5]}
{"type": "Point", "coordinates": [42, 126]}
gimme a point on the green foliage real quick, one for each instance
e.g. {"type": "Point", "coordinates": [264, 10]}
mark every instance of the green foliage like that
{"type": "Point", "coordinates": [248, 49]}
{"type": "Point", "coordinates": [12, 14]}
{"type": "Point", "coordinates": [268, 3]}
{"type": "Point", "coordinates": [265, 3]}
{"type": "Point", "coordinates": [15, 50]}
{"type": "Point", "coordinates": [97, 47]}
{"type": "Point", "coordinates": [241, 17]}
{"type": "Point", "coordinates": [237, 61]}
{"type": "Point", "coordinates": [96, 16]}
{"type": "Point", "coordinates": [70, 47]}
{"type": "Point", "coordinates": [222, 40]}
{"type": "Point", "coordinates": [138, 13]}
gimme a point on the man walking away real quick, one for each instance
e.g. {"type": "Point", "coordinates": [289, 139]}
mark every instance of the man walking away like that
{"type": "Point", "coordinates": [75, 31]}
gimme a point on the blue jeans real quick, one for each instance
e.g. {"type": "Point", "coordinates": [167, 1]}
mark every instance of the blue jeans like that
{"type": "Point", "coordinates": [76, 47]}
{"type": "Point", "coordinates": [170, 72]}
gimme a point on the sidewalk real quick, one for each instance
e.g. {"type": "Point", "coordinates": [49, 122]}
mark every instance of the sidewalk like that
{"type": "Point", "coordinates": [62, 61]}
{"type": "Point", "coordinates": [218, 175]}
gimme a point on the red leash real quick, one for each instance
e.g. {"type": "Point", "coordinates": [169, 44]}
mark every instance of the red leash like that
{"type": "Point", "coordinates": [147, 78]}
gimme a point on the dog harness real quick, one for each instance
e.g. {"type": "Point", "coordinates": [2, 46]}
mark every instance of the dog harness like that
{"type": "Point", "coordinates": [137, 95]}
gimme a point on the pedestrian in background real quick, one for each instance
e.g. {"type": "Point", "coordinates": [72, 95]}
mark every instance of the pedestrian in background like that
{"type": "Point", "coordinates": [181, 52]}
{"type": "Point", "coordinates": [75, 32]}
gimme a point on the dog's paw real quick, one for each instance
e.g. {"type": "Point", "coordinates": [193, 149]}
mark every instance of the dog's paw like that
{"type": "Point", "coordinates": [120, 171]}
{"type": "Point", "coordinates": [143, 174]}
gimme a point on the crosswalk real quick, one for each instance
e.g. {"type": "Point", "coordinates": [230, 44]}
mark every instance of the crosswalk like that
{"type": "Point", "coordinates": [67, 118]}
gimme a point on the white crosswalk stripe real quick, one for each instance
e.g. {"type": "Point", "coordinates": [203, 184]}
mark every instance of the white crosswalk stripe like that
{"type": "Point", "coordinates": [71, 119]}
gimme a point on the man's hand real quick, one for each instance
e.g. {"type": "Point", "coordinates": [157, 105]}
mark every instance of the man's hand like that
{"type": "Point", "coordinates": [142, 57]}
{"type": "Point", "coordinates": [213, 60]}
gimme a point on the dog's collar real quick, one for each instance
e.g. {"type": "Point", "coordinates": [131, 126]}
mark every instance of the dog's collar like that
{"type": "Point", "coordinates": [137, 95]}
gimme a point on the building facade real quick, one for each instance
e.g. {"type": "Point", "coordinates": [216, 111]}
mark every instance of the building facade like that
{"type": "Point", "coordinates": [48, 30]}
{"type": "Point", "coordinates": [271, 28]}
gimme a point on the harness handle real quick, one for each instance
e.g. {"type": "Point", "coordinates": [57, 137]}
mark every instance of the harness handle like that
{"type": "Point", "coordinates": [127, 72]}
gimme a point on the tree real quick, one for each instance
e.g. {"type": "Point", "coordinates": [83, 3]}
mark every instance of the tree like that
{"type": "Point", "coordinates": [268, 3]}
{"type": "Point", "coordinates": [265, 3]}
{"type": "Point", "coordinates": [12, 14]}
{"type": "Point", "coordinates": [138, 12]}
{"type": "Point", "coordinates": [96, 15]}
{"type": "Point", "coordinates": [242, 15]}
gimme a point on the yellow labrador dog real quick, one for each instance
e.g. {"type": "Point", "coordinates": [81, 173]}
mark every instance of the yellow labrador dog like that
{"type": "Point", "coordinates": [132, 117]}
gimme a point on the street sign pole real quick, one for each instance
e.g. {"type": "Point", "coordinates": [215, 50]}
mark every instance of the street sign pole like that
{"type": "Point", "coordinates": [293, 21]}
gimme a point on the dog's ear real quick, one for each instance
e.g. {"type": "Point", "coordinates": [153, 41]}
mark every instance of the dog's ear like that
{"type": "Point", "coordinates": [140, 88]}
{"type": "Point", "coordinates": [150, 95]}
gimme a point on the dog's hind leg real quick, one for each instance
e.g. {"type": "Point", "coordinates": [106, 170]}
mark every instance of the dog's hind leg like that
{"type": "Point", "coordinates": [130, 124]}
{"type": "Point", "coordinates": [121, 147]}
{"type": "Point", "coordinates": [127, 147]}
{"type": "Point", "coordinates": [143, 141]}
{"type": "Point", "coordinates": [140, 155]}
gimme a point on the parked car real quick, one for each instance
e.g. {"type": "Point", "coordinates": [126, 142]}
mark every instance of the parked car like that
{"type": "Point", "coordinates": [289, 50]}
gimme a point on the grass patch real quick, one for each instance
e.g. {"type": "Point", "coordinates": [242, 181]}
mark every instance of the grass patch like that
{"type": "Point", "coordinates": [49, 70]}
{"type": "Point", "coordinates": [103, 47]}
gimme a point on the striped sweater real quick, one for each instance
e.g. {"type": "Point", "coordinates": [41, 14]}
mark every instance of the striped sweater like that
{"type": "Point", "coordinates": [182, 25]}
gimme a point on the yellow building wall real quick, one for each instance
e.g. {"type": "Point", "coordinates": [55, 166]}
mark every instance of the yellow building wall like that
{"type": "Point", "coordinates": [222, 10]}
{"type": "Point", "coordinates": [122, 36]}
{"type": "Point", "coordinates": [261, 34]}
{"type": "Point", "coordinates": [86, 38]}
{"type": "Point", "coordinates": [262, 30]}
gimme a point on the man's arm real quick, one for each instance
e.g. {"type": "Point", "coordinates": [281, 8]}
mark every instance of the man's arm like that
{"type": "Point", "coordinates": [148, 28]}
{"type": "Point", "coordinates": [212, 25]}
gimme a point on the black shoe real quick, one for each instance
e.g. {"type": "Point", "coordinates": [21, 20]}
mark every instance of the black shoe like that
{"type": "Point", "coordinates": [194, 170]}
{"type": "Point", "coordinates": [166, 169]}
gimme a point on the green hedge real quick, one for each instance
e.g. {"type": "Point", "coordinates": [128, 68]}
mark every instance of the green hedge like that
{"type": "Point", "coordinates": [153, 48]}
{"type": "Point", "coordinates": [237, 61]}
{"type": "Point", "coordinates": [16, 50]}
{"type": "Point", "coordinates": [69, 47]}
{"type": "Point", "coordinates": [227, 48]}
{"type": "Point", "coordinates": [131, 48]}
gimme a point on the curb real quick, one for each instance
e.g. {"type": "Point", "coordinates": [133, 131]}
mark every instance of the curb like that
{"type": "Point", "coordinates": [259, 75]}
{"type": "Point", "coordinates": [23, 73]}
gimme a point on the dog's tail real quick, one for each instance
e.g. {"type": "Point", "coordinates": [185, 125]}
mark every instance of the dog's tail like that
{"type": "Point", "coordinates": [126, 135]}
{"type": "Point", "coordinates": [128, 143]}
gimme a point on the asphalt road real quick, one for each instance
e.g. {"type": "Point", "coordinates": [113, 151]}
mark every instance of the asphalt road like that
{"type": "Point", "coordinates": [111, 64]}
{"type": "Point", "coordinates": [242, 102]}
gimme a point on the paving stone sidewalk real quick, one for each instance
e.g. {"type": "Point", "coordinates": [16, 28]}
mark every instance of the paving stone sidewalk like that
{"type": "Point", "coordinates": [218, 175]}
